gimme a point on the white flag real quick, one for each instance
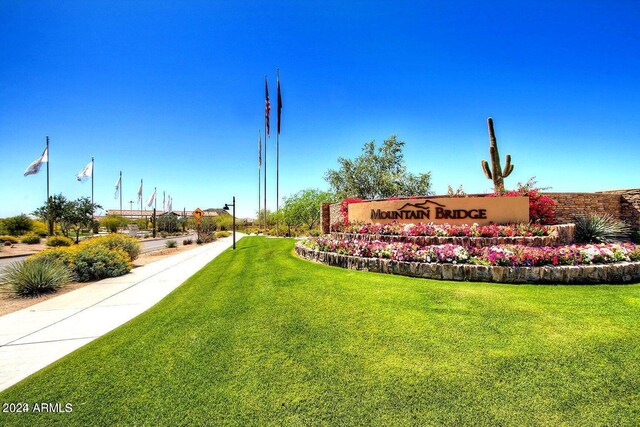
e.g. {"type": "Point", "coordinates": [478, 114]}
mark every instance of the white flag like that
{"type": "Point", "coordinates": [118, 183]}
{"type": "Point", "coordinates": [151, 199]}
{"type": "Point", "coordinates": [140, 192]}
{"type": "Point", "coordinates": [85, 173]}
{"type": "Point", "coordinates": [164, 206]}
{"type": "Point", "coordinates": [34, 167]}
{"type": "Point", "coordinates": [170, 204]}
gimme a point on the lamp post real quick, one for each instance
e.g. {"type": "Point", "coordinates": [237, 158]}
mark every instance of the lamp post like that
{"type": "Point", "coordinates": [226, 208]}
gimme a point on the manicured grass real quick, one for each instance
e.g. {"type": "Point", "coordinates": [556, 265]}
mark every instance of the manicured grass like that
{"type": "Point", "coordinates": [260, 337]}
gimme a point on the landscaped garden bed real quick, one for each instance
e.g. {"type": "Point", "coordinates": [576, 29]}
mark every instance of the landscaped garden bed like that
{"type": "Point", "coordinates": [466, 241]}
{"type": "Point", "coordinates": [603, 263]}
{"type": "Point", "coordinates": [425, 234]}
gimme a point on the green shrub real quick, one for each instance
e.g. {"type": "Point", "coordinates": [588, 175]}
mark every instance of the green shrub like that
{"type": "Point", "coordinates": [171, 244]}
{"type": "Point", "coordinates": [186, 242]}
{"type": "Point", "coordinates": [164, 234]}
{"type": "Point", "coordinates": [635, 236]}
{"type": "Point", "coordinates": [88, 262]}
{"type": "Point", "coordinates": [128, 244]}
{"type": "Point", "coordinates": [8, 239]}
{"type": "Point", "coordinates": [113, 222]}
{"type": "Point", "coordinates": [314, 233]}
{"type": "Point", "coordinates": [39, 228]}
{"type": "Point", "coordinates": [207, 225]}
{"type": "Point", "coordinates": [224, 222]}
{"type": "Point", "coordinates": [56, 241]}
{"type": "Point", "coordinates": [30, 239]}
{"type": "Point", "coordinates": [168, 223]}
{"type": "Point", "coordinates": [210, 238]}
{"type": "Point", "coordinates": [62, 255]}
{"type": "Point", "coordinates": [219, 234]}
{"type": "Point", "coordinates": [199, 241]}
{"type": "Point", "coordinates": [98, 262]}
{"type": "Point", "coordinates": [599, 229]}
{"type": "Point", "coordinates": [18, 225]}
{"type": "Point", "coordinates": [35, 276]}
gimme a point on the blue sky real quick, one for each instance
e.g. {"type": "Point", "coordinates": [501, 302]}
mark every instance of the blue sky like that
{"type": "Point", "coordinates": [173, 93]}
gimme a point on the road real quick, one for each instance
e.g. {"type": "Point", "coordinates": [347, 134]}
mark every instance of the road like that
{"type": "Point", "coordinates": [154, 245]}
{"type": "Point", "coordinates": [147, 246]}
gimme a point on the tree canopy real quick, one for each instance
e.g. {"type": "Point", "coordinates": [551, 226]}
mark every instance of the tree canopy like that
{"type": "Point", "coordinates": [377, 173]}
{"type": "Point", "coordinates": [74, 214]}
{"type": "Point", "coordinates": [52, 211]}
{"type": "Point", "coordinates": [303, 208]}
{"type": "Point", "coordinates": [78, 214]}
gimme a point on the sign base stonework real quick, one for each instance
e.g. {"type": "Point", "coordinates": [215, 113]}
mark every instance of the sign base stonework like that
{"type": "Point", "coordinates": [445, 210]}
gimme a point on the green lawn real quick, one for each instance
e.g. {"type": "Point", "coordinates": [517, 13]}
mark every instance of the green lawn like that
{"type": "Point", "coordinates": [259, 337]}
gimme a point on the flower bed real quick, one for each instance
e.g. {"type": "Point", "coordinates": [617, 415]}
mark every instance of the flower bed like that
{"type": "Point", "coordinates": [474, 235]}
{"type": "Point", "coordinates": [504, 255]}
{"type": "Point", "coordinates": [450, 262]}
{"type": "Point", "coordinates": [477, 242]}
{"type": "Point", "coordinates": [445, 230]}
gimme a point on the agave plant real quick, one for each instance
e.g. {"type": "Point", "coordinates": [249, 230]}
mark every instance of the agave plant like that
{"type": "Point", "coordinates": [35, 276]}
{"type": "Point", "coordinates": [600, 229]}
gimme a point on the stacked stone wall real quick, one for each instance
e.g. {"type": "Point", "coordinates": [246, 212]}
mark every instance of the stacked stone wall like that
{"type": "Point", "coordinates": [629, 206]}
{"type": "Point", "coordinates": [570, 205]}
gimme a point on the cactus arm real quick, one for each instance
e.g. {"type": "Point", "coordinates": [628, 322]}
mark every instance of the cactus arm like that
{"type": "Point", "coordinates": [508, 167]}
{"type": "Point", "coordinates": [485, 168]}
{"type": "Point", "coordinates": [509, 173]}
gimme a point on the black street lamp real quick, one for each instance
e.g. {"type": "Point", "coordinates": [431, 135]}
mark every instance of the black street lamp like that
{"type": "Point", "coordinates": [226, 208]}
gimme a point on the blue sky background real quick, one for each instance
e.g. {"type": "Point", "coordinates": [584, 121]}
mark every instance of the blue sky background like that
{"type": "Point", "coordinates": [173, 92]}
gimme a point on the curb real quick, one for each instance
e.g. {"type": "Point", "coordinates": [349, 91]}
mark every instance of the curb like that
{"type": "Point", "coordinates": [16, 256]}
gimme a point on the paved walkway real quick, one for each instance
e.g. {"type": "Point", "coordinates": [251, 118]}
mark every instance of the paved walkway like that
{"type": "Point", "coordinates": [34, 337]}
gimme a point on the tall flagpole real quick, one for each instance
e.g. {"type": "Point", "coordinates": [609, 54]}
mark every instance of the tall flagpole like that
{"type": "Point", "coordinates": [278, 147]}
{"type": "Point", "coordinates": [120, 193]}
{"type": "Point", "coordinates": [259, 167]}
{"type": "Point", "coordinates": [267, 107]}
{"type": "Point", "coordinates": [155, 208]}
{"type": "Point", "coordinates": [93, 169]}
{"type": "Point", "coordinates": [48, 159]}
{"type": "Point", "coordinates": [141, 195]}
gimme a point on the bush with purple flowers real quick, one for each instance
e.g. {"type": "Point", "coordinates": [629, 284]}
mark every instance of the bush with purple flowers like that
{"type": "Point", "coordinates": [444, 230]}
{"type": "Point", "coordinates": [500, 255]}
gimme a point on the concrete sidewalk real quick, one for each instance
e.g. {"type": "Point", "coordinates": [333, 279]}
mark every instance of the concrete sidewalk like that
{"type": "Point", "coordinates": [34, 337]}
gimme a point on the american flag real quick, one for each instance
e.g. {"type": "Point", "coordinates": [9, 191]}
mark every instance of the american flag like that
{"type": "Point", "coordinates": [279, 104]}
{"type": "Point", "coordinates": [267, 108]}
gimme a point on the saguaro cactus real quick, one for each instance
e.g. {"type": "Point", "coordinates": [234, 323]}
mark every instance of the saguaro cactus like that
{"type": "Point", "coordinates": [496, 173]}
